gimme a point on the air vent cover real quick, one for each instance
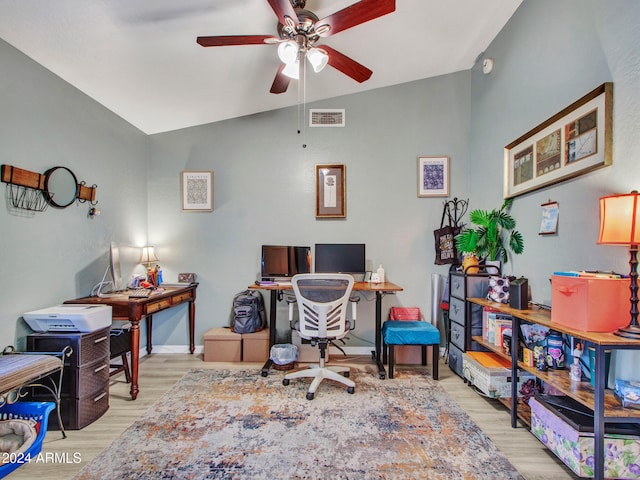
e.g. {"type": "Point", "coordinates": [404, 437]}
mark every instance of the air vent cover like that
{"type": "Point", "coordinates": [326, 117]}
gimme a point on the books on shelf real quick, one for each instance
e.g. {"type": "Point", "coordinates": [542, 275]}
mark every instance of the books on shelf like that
{"type": "Point", "coordinates": [494, 325]}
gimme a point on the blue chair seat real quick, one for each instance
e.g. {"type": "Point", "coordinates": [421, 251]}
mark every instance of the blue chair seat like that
{"type": "Point", "coordinates": [401, 332]}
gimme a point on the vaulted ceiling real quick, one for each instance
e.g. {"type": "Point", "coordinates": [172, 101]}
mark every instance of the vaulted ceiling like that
{"type": "Point", "coordinates": [140, 59]}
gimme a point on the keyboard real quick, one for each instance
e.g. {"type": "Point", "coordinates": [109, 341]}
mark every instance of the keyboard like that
{"type": "Point", "coordinates": [140, 293]}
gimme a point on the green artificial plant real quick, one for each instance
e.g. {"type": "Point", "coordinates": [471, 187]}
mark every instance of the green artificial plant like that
{"type": "Point", "coordinates": [494, 235]}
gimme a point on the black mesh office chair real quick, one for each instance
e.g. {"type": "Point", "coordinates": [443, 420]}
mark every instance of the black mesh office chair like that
{"type": "Point", "coordinates": [323, 301]}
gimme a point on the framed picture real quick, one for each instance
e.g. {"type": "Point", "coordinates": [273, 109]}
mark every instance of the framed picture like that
{"type": "Point", "coordinates": [197, 191]}
{"type": "Point", "coordinates": [574, 141]}
{"type": "Point", "coordinates": [331, 191]}
{"type": "Point", "coordinates": [433, 176]}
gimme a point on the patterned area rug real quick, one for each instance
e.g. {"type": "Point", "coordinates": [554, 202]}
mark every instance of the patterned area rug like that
{"type": "Point", "coordinates": [238, 425]}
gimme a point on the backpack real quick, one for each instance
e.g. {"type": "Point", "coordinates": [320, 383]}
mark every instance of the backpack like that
{"type": "Point", "coordinates": [248, 314]}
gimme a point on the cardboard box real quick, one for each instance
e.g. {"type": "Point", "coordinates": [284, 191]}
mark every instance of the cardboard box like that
{"type": "Point", "coordinates": [490, 373]}
{"type": "Point", "coordinates": [409, 355]}
{"type": "Point", "coordinates": [570, 438]}
{"type": "Point", "coordinates": [590, 304]}
{"type": "Point", "coordinates": [307, 353]}
{"type": "Point", "coordinates": [222, 345]}
{"type": "Point", "coordinates": [255, 346]}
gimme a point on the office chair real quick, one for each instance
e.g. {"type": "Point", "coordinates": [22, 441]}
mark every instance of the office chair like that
{"type": "Point", "coordinates": [322, 300]}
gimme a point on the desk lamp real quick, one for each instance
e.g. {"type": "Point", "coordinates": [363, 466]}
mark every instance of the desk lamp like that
{"type": "Point", "coordinates": [148, 256]}
{"type": "Point", "coordinates": [620, 225]}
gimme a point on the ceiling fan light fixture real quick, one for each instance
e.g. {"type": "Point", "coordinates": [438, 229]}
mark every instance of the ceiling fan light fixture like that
{"type": "Point", "coordinates": [288, 52]}
{"type": "Point", "coordinates": [292, 70]}
{"type": "Point", "coordinates": [318, 59]}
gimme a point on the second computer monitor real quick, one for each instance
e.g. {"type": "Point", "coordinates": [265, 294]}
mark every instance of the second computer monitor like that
{"type": "Point", "coordinates": [340, 258]}
{"type": "Point", "coordinates": [283, 261]}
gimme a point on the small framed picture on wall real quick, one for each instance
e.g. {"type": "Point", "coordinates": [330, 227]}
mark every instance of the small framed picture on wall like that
{"type": "Point", "coordinates": [331, 191]}
{"type": "Point", "coordinates": [197, 191]}
{"type": "Point", "coordinates": [433, 176]}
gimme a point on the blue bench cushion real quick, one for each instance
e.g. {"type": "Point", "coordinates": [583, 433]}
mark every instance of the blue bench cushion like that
{"type": "Point", "coordinates": [399, 332]}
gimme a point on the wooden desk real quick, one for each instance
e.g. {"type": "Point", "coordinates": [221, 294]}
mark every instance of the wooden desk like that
{"type": "Point", "coordinates": [379, 288]}
{"type": "Point", "coordinates": [135, 309]}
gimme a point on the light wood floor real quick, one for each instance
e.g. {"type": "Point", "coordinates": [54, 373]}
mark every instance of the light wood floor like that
{"type": "Point", "coordinates": [158, 372]}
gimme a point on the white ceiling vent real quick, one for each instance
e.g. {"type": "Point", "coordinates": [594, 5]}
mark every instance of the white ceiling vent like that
{"type": "Point", "coordinates": [326, 117]}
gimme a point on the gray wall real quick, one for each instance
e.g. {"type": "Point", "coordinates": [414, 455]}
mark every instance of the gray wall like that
{"type": "Point", "coordinates": [548, 55]}
{"type": "Point", "coordinates": [58, 254]}
{"type": "Point", "coordinates": [265, 193]}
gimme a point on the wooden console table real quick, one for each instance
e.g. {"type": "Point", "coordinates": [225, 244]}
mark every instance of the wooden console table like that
{"type": "Point", "coordinates": [135, 309]}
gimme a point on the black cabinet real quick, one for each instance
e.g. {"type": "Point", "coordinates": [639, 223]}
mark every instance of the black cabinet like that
{"type": "Point", "coordinates": [85, 381]}
{"type": "Point", "coordinates": [465, 318]}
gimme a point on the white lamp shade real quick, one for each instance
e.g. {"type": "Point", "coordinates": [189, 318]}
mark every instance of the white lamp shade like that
{"type": "Point", "coordinates": [317, 58]}
{"type": "Point", "coordinates": [292, 70]}
{"type": "Point", "coordinates": [620, 219]}
{"type": "Point", "coordinates": [288, 52]}
{"type": "Point", "coordinates": [148, 255]}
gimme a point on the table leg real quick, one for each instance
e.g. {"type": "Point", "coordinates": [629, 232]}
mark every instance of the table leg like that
{"type": "Point", "coordinates": [135, 358]}
{"type": "Point", "coordinates": [381, 371]}
{"type": "Point", "coordinates": [149, 320]}
{"type": "Point", "coordinates": [273, 307]}
{"type": "Point", "coordinates": [192, 326]}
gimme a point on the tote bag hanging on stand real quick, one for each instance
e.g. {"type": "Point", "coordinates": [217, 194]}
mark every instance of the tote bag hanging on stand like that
{"type": "Point", "coordinates": [444, 239]}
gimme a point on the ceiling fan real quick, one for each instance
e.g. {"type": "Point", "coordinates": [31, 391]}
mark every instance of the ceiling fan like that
{"type": "Point", "coordinates": [299, 30]}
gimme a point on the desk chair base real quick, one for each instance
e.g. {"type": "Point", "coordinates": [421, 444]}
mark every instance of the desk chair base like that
{"type": "Point", "coordinates": [319, 373]}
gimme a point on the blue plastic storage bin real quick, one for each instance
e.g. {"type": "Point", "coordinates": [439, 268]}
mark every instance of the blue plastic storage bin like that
{"type": "Point", "coordinates": [39, 412]}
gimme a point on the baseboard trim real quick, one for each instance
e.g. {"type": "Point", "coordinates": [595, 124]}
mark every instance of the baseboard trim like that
{"type": "Point", "coordinates": [172, 349]}
{"type": "Point", "coordinates": [200, 349]}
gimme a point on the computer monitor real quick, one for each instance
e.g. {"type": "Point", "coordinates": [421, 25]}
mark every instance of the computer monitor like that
{"type": "Point", "coordinates": [340, 258]}
{"type": "Point", "coordinates": [284, 261]}
{"type": "Point", "coordinates": [113, 270]}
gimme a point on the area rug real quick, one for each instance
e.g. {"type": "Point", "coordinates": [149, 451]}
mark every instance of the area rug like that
{"type": "Point", "coordinates": [232, 424]}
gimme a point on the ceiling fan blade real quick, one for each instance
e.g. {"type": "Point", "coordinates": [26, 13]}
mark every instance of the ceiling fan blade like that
{"type": "Point", "coordinates": [284, 9]}
{"type": "Point", "coordinates": [361, 12]}
{"type": "Point", "coordinates": [347, 65]}
{"type": "Point", "coordinates": [226, 40]}
{"type": "Point", "coordinates": [281, 82]}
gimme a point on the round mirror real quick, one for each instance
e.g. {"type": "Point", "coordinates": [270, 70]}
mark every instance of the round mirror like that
{"type": "Point", "coordinates": [60, 186]}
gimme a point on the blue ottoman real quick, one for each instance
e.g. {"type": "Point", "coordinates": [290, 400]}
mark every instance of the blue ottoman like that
{"type": "Point", "coordinates": [401, 332]}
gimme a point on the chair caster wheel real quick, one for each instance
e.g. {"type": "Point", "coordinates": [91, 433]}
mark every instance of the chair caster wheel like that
{"type": "Point", "coordinates": [264, 374]}
{"type": "Point", "coordinates": [309, 396]}
{"type": "Point", "coordinates": [285, 382]}
{"type": "Point", "coordinates": [346, 374]}
{"type": "Point", "coordinates": [350, 390]}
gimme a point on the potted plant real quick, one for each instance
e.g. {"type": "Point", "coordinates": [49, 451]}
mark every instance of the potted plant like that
{"type": "Point", "coordinates": [494, 235]}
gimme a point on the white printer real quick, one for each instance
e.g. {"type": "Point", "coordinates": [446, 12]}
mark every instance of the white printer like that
{"type": "Point", "coordinates": [70, 318]}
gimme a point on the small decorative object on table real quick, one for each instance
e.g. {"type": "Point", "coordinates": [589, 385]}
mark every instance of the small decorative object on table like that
{"type": "Point", "coordinates": [186, 278]}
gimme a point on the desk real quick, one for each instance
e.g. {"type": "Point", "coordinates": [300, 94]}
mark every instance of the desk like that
{"type": "Point", "coordinates": [378, 288]}
{"type": "Point", "coordinates": [134, 309]}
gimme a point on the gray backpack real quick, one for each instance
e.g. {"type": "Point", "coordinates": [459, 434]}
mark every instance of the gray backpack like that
{"type": "Point", "coordinates": [248, 313]}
